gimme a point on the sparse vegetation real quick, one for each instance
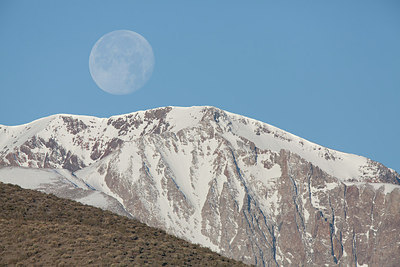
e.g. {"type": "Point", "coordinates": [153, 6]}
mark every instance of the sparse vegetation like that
{"type": "Point", "coordinates": [41, 229]}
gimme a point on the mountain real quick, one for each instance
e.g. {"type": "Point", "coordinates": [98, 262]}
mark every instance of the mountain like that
{"type": "Point", "coordinates": [243, 188]}
{"type": "Point", "coordinates": [43, 230]}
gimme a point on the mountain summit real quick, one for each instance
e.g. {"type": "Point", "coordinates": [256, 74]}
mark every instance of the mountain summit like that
{"type": "Point", "coordinates": [243, 188]}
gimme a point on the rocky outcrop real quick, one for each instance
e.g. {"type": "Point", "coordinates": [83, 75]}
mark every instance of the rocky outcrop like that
{"type": "Point", "coordinates": [238, 186]}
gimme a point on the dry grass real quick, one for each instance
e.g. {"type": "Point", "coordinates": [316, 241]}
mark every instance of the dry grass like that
{"type": "Point", "coordinates": [41, 229]}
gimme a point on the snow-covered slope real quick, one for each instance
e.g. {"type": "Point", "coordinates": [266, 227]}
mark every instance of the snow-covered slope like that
{"type": "Point", "coordinates": [83, 136]}
{"type": "Point", "coordinates": [243, 188]}
{"type": "Point", "coordinates": [61, 183]}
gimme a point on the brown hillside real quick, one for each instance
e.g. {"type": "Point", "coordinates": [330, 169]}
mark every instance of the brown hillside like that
{"type": "Point", "coordinates": [41, 229]}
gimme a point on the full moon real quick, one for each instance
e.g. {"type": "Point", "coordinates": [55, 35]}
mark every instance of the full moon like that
{"type": "Point", "coordinates": [121, 62]}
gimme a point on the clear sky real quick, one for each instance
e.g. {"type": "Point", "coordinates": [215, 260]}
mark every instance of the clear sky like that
{"type": "Point", "coordinates": [328, 71]}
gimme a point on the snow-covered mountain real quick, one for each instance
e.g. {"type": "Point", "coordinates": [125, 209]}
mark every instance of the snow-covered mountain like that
{"type": "Point", "coordinates": [241, 187]}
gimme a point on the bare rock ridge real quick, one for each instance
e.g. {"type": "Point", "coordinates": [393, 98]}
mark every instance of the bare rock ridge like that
{"type": "Point", "coordinates": [243, 188]}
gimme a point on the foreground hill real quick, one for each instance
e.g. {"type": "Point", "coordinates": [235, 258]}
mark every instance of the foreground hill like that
{"type": "Point", "coordinates": [41, 229]}
{"type": "Point", "coordinates": [241, 187]}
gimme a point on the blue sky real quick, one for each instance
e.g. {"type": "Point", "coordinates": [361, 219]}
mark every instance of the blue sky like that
{"type": "Point", "coordinates": [328, 71]}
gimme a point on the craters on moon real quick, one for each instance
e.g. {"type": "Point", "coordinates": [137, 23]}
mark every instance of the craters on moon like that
{"type": "Point", "coordinates": [121, 62]}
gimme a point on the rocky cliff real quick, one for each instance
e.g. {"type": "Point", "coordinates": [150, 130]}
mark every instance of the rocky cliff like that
{"type": "Point", "coordinates": [243, 188]}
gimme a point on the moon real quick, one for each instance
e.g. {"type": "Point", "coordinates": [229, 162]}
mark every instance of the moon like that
{"type": "Point", "coordinates": [121, 62]}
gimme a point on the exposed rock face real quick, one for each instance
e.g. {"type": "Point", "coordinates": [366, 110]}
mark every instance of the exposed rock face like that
{"type": "Point", "coordinates": [241, 187]}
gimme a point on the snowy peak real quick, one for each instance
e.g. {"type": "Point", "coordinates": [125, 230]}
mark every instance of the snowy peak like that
{"type": "Point", "coordinates": [241, 187]}
{"type": "Point", "coordinates": [74, 142]}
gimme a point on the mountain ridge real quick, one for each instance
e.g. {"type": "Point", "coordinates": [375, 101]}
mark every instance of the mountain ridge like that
{"type": "Point", "coordinates": [278, 132]}
{"type": "Point", "coordinates": [241, 187]}
{"type": "Point", "coordinates": [87, 117]}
